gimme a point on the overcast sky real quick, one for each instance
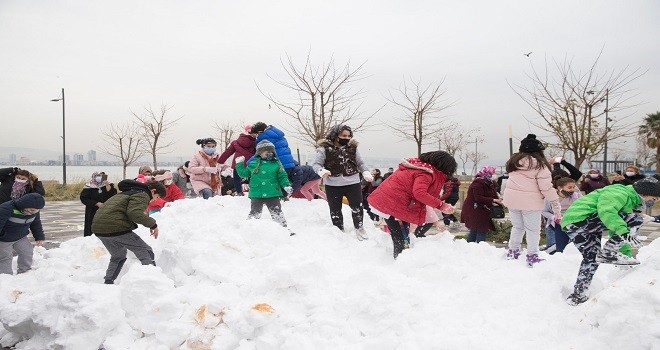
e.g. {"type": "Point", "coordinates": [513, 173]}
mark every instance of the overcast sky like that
{"type": "Point", "coordinates": [204, 57]}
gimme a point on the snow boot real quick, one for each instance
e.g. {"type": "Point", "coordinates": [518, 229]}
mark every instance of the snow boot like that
{"type": "Point", "coordinates": [576, 299]}
{"type": "Point", "coordinates": [361, 234]}
{"type": "Point", "coordinates": [610, 254]}
{"type": "Point", "coordinates": [533, 259]}
{"type": "Point", "coordinates": [513, 254]}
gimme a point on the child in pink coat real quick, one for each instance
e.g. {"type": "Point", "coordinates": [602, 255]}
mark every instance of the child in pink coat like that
{"type": "Point", "coordinates": [529, 185]}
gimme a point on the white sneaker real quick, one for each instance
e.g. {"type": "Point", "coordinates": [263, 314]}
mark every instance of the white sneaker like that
{"type": "Point", "coordinates": [361, 234]}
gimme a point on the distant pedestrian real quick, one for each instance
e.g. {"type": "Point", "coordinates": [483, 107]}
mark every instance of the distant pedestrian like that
{"type": "Point", "coordinates": [631, 176]}
{"type": "Point", "coordinates": [450, 195]}
{"type": "Point", "coordinates": [182, 180]}
{"type": "Point", "coordinates": [389, 172]}
{"type": "Point", "coordinates": [530, 182]}
{"type": "Point", "coordinates": [114, 223]}
{"type": "Point", "coordinates": [339, 163]}
{"type": "Point", "coordinates": [305, 180]}
{"type": "Point", "coordinates": [18, 217]}
{"type": "Point", "coordinates": [593, 181]}
{"type": "Point", "coordinates": [204, 169]}
{"type": "Point", "coordinates": [96, 192]}
{"type": "Point", "coordinates": [172, 191]}
{"type": "Point", "coordinates": [481, 197]}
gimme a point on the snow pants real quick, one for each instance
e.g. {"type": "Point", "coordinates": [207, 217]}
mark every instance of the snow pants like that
{"type": "Point", "coordinates": [525, 222]}
{"type": "Point", "coordinates": [274, 207]}
{"type": "Point", "coordinates": [586, 236]}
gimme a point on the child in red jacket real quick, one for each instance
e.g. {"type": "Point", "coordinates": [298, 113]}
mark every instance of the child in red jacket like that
{"type": "Point", "coordinates": [407, 192]}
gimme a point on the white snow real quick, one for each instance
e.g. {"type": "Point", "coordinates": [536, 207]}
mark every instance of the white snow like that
{"type": "Point", "coordinates": [223, 282]}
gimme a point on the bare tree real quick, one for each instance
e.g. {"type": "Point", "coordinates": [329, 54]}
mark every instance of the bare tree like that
{"type": "Point", "coordinates": [572, 104]}
{"type": "Point", "coordinates": [464, 157]}
{"type": "Point", "coordinates": [154, 126]}
{"type": "Point", "coordinates": [123, 142]}
{"type": "Point", "coordinates": [421, 108]}
{"type": "Point", "coordinates": [319, 97]}
{"type": "Point", "coordinates": [454, 137]}
{"type": "Point", "coordinates": [644, 155]}
{"type": "Point", "coordinates": [227, 132]}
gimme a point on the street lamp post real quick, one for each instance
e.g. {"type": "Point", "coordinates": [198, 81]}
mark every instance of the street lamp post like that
{"type": "Point", "coordinates": [63, 137]}
{"type": "Point", "coordinates": [607, 119]}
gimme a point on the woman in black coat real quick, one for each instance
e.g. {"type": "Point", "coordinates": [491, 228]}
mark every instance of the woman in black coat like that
{"type": "Point", "coordinates": [96, 192]}
{"type": "Point", "coordinates": [15, 182]}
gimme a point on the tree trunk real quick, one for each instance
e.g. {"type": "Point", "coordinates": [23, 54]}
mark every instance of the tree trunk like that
{"type": "Point", "coordinates": [153, 155]}
{"type": "Point", "coordinates": [657, 159]}
{"type": "Point", "coordinates": [124, 171]}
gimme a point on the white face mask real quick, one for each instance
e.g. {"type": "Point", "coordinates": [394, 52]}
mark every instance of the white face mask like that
{"type": "Point", "coordinates": [21, 181]}
{"type": "Point", "coordinates": [594, 176]}
{"type": "Point", "coordinates": [630, 173]}
{"type": "Point", "coordinates": [167, 182]}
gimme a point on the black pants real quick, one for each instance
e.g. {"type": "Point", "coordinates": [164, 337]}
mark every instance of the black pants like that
{"type": "Point", "coordinates": [449, 218]}
{"type": "Point", "coordinates": [367, 208]}
{"type": "Point", "coordinates": [118, 246]}
{"type": "Point", "coordinates": [396, 232]}
{"type": "Point", "coordinates": [354, 195]}
{"type": "Point", "coordinates": [273, 205]}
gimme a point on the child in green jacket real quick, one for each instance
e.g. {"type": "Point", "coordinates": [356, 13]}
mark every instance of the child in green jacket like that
{"type": "Point", "coordinates": [615, 209]}
{"type": "Point", "coordinates": [267, 178]}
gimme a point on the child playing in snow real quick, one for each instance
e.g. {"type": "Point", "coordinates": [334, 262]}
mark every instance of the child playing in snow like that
{"type": "Point", "coordinates": [557, 239]}
{"type": "Point", "coordinates": [615, 209]}
{"type": "Point", "coordinates": [529, 183]}
{"type": "Point", "coordinates": [114, 223]}
{"type": "Point", "coordinates": [267, 178]}
{"type": "Point", "coordinates": [17, 218]}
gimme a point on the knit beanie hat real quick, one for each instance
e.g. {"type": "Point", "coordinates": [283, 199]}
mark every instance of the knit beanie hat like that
{"type": "Point", "coordinates": [265, 145]}
{"type": "Point", "coordinates": [30, 200]}
{"type": "Point", "coordinates": [649, 186]}
{"type": "Point", "coordinates": [530, 144]}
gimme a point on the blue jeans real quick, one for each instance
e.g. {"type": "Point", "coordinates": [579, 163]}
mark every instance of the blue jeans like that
{"type": "Point", "coordinates": [559, 237]}
{"type": "Point", "coordinates": [238, 183]}
{"type": "Point", "coordinates": [206, 193]}
{"type": "Point", "coordinates": [474, 236]}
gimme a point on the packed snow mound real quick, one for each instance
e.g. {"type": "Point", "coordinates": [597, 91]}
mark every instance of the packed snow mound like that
{"type": "Point", "coordinates": [224, 282]}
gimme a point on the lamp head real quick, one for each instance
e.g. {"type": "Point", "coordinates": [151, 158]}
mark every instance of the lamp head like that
{"type": "Point", "coordinates": [56, 100]}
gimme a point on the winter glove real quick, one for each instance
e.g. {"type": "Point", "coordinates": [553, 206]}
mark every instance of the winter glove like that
{"type": "Point", "coordinates": [211, 169]}
{"type": "Point", "coordinates": [367, 176]}
{"type": "Point", "coordinates": [446, 208]}
{"type": "Point", "coordinates": [323, 172]}
{"type": "Point", "coordinates": [288, 190]}
{"type": "Point", "coordinates": [240, 159]}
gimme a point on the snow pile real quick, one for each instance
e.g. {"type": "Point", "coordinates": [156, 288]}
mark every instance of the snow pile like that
{"type": "Point", "coordinates": [223, 282]}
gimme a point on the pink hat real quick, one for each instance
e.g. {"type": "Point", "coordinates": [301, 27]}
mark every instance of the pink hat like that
{"type": "Point", "coordinates": [248, 128]}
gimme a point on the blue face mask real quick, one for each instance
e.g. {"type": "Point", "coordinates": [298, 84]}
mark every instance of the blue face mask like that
{"type": "Point", "coordinates": [269, 156]}
{"type": "Point", "coordinates": [209, 150]}
{"type": "Point", "coordinates": [98, 179]}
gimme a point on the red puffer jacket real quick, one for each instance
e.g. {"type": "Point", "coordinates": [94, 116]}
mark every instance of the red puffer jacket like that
{"type": "Point", "coordinates": [408, 191]}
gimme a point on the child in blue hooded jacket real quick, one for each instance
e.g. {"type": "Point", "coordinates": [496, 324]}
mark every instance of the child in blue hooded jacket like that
{"type": "Point", "coordinates": [17, 218]}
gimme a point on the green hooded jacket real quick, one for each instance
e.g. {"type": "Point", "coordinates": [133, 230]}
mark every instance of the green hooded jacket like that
{"type": "Point", "coordinates": [267, 177]}
{"type": "Point", "coordinates": [121, 213]}
{"type": "Point", "coordinates": [608, 202]}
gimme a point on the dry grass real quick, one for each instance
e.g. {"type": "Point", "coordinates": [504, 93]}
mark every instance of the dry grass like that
{"type": "Point", "coordinates": [57, 192]}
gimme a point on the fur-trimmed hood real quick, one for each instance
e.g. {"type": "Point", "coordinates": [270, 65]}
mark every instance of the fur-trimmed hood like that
{"type": "Point", "coordinates": [330, 143]}
{"type": "Point", "coordinates": [415, 163]}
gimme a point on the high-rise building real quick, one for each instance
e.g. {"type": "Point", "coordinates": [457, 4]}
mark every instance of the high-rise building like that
{"type": "Point", "coordinates": [12, 158]}
{"type": "Point", "coordinates": [78, 159]}
{"type": "Point", "coordinates": [91, 156]}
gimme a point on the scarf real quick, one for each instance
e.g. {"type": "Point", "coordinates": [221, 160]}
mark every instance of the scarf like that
{"type": "Point", "coordinates": [215, 182]}
{"type": "Point", "coordinates": [18, 189]}
{"type": "Point", "coordinates": [92, 182]}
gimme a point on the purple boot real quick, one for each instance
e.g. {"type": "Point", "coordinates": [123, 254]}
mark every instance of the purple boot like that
{"type": "Point", "coordinates": [533, 259]}
{"type": "Point", "coordinates": [513, 254]}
